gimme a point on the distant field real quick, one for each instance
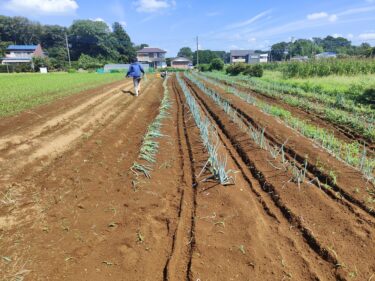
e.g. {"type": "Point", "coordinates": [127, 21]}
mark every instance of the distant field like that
{"type": "Point", "coordinates": [22, 91]}
{"type": "Point", "coordinates": [332, 84]}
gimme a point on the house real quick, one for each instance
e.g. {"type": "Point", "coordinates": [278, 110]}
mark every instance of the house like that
{"type": "Point", "coordinates": [300, 58]}
{"type": "Point", "coordinates": [154, 57]}
{"type": "Point", "coordinates": [181, 62]}
{"type": "Point", "coordinates": [247, 56]}
{"type": "Point", "coordinates": [17, 54]}
{"type": "Point", "coordinates": [326, 55]}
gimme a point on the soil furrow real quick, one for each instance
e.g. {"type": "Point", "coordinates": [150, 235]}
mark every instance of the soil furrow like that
{"type": "Point", "coordinates": [302, 149]}
{"type": "Point", "coordinates": [177, 265]}
{"type": "Point", "coordinates": [251, 208]}
{"type": "Point", "coordinates": [342, 132]}
{"type": "Point", "coordinates": [46, 142]}
{"type": "Point", "coordinates": [290, 198]}
{"type": "Point", "coordinates": [80, 218]}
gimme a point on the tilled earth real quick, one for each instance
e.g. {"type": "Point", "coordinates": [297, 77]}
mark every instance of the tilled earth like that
{"type": "Point", "coordinates": [69, 208]}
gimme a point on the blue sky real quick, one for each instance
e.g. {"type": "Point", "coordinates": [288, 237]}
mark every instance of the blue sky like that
{"type": "Point", "coordinates": [220, 24]}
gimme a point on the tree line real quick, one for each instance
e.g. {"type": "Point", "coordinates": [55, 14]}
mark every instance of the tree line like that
{"type": "Point", "coordinates": [286, 50]}
{"type": "Point", "coordinates": [90, 42]}
{"type": "Point", "coordinates": [309, 48]}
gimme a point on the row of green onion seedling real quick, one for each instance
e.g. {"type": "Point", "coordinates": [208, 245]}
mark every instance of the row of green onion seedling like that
{"type": "Point", "coordinates": [352, 153]}
{"type": "Point", "coordinates": [257, 135]}
{"type": "Point", "coordinates": [359, 121]}
{"type": "Point", "coordinates": [216, 163]}
{"type": "Point", "coordinates": [150, 145]}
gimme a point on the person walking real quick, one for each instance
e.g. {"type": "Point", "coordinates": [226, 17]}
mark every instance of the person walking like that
{"type": "Point", "coordinates": [136, 71]}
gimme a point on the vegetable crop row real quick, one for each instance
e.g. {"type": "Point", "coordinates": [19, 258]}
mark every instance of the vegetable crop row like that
{"type": "Point", "coordinates": [150, 145]}
{"type": "Point", "coordinates": [216, 163]}
{"type": "Point", "coordinates": [256, 134]}
{"type": "Point", "coordinates": [364, 125]}
{"type": "Point", "coordinates": [351, 153]}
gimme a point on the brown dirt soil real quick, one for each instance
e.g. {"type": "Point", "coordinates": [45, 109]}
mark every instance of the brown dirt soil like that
{"type": "Point", "coordinates": [348, 182]}
{"type": "Point", "coordinates": [75, 211]}
{"type": "Point", "coordinates": [306, 207]}
{"type": "Point", "coordinates": [341, 132]}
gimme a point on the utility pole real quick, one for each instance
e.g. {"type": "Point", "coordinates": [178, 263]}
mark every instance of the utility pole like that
{"type": "Point", "coordinates": [197, 52]}
{"type": "Point", "coordinates": [67, 48]}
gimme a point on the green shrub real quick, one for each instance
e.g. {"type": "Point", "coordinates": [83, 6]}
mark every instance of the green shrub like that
{"type": "Point", "coordinates": [87, 62]}
{"type": "Point", "coordinates": [217, 64]}
{"type": "Point", "coordinates": [236, 68]}
{"type": "Point", "coordinates": [204, 67]}
{"type": "Point", "coordinates": [72, 70]}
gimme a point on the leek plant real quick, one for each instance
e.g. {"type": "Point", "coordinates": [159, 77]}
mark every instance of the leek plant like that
{"type": "Point", "coordinates": [351, 153]}
{"type": "Point", "coordinates": [216, 162]}
{"type": "Point", "coordinates": [257, 135]}
{"type": "Point", "coordinates": [150, 145]}
{"type": "Point", "coordinates": [361, 119]}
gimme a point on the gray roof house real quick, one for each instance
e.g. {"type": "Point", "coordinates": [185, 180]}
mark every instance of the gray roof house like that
{"type": "Point", "coordinates": [247, 56]}
{"type": "Point", "coordinates": [181, 62]}
{"type": "Point", "coordinates": [326, 55]}
{"type": "Point", "coordinates": [155, 57]}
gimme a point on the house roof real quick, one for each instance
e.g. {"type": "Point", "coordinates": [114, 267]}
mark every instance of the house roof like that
{"type": "Point", "coordinates": [22, 47]}
{"type": "Point", "coordinates": [326, 54]}
{"type": "Point", "coordinates": [151, 50]}
{"type": "Point", "coordinates": [181, 59]}
{"type": "Point", "coordinates": [241, 53]}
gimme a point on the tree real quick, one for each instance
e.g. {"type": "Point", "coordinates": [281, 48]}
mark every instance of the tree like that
{"type": "Point", "coordinates": [217, 64]}
{"type": "Point", "coordinates": [332, 44]}
{"type": "Point", "coordinates": [91, 38]}
{"type": "Point", "coordinates": [205, 56]}
{"type": "Point", "coordinates": [53, 36]}
{"type": "Point", "coordinates": [141, 46]}
{"type": "Point", "coordinates": [304, 47]}
{"type": "Point", "coordinates": [278, 51]}
{"type": "Point", "coordinates": [123, 43]}
{"type": "Point", "coordinates": [185, 52]}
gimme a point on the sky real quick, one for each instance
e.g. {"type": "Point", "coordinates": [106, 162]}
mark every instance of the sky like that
{"type": "Point", "coordinates": [219, 24]}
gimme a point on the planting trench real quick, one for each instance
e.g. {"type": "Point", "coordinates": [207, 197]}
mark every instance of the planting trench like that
{"type": "Point", "coordinates": [306, 207]}
{"type": "Point", "coordinates": [342, 179]}
{"type": "Point", "coordinates": [78, 215]}
{"type": "Point", "coordinates": [342, 132]}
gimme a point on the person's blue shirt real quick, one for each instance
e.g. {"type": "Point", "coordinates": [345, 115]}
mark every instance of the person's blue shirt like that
{"type": "Point", "coordinates": [135, 70]}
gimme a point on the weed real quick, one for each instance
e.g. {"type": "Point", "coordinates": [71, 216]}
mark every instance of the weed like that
{"type": "Point", "coordinates": [140, 237]}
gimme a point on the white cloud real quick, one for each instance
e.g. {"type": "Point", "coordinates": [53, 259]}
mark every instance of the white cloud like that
{"type": "Point", "coordinates": [357, 11]}
{"type": "Point", "coordinates": [322, 15]}
{"type": "Point", "coordinates": [350, 36]}
{"type": "Point", "coordinates": [367, 36]}
{"type": "Point", "coordinates": [41, 6]}
{"type": "Point", "coordinates": [99, 19]}
{"type": "Point", "coordinates": [316, 16]}
{"type": "Point", "coordinates": [249, 21]}
{"type": "Point", "coordinates": [336, 35]}
{"type": "Point", "coordinates": [151, 6]}
{"type": "Point", "coordinates": [123, 23]}
{"type": "Point", "coordinates": [332, 18]}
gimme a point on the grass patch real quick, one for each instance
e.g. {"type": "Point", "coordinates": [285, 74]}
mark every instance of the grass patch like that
{"type": "Point", "coordinates": [19, 92]}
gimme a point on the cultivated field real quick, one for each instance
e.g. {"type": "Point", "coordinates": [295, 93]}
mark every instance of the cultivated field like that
{"type": "Point", "coordinates": [22, 91]}
{"type": "Point", "coordinates": [202, 177]}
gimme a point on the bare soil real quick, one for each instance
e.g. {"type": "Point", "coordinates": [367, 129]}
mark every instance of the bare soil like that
{"type": "Point", "coordinates": [70, 208]}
